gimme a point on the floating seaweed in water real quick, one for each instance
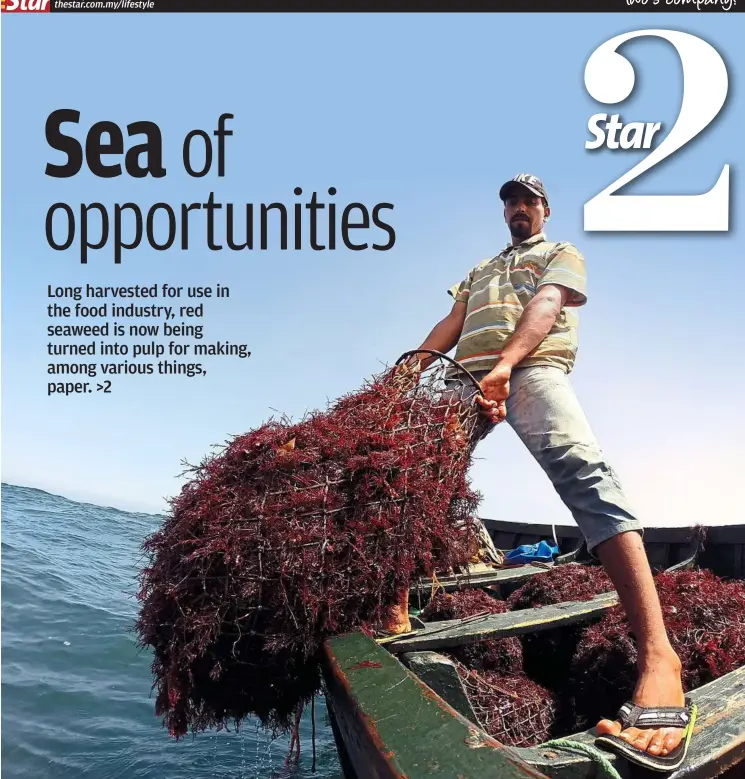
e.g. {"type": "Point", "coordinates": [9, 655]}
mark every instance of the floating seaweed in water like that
{"type": "Point", "coordinates": [296, 532]}
{"type": "Point", "coordinates": [705, 621]}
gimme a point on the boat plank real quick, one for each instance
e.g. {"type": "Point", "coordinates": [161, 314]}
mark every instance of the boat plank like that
{"type": "Point", "coordinates": [718, 741]}
{"type": "Point", "coordinates": [393, 725]}
{"type": "Point", "coordinates": [497, 576]}
{"type": "Point", "coordinates": [716, 534]}
{"type": "Point", "coordinates": [439, 672]}
{"type": "Point", "coordinates": [441, 635]}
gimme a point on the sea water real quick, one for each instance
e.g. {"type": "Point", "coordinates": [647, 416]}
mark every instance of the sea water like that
{"type": "Point", "coordinates": [75, 688]}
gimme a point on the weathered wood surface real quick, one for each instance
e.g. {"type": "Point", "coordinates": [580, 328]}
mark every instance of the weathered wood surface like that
{"type": "Point", "coordinates": [717, 534]}
{"type": "Point", "coordinates": [441, 635]}
{"type": "Point", "coordinates": [513, 575]}
{"type": "Point", "coordinates": [718, 741]}
{"type": "Point", "coordinates": [393, 726]}
{"type": "Point", "coordinates": [440, 674]}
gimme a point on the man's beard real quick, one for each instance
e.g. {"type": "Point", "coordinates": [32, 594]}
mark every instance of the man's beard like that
{"type": "Point", "coordinates": [520, 228]}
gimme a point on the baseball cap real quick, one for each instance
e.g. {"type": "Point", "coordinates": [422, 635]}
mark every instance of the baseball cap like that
{"type": "Point", "coordinates": [531, 183]}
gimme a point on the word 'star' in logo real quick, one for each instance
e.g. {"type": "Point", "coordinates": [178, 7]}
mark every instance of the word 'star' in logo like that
{"type": "Point", "coordinates": [18, 6]}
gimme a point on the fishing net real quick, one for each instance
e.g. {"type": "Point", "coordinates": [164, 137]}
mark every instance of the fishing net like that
{"type": "Point", "coordinates": [508, 705]}
{"type": "Point", "coordinates": [514, 709]}
{"type": "Point", "coordinates": [705, 621]}
{"type": "Point", "coordinates": [296, 532]}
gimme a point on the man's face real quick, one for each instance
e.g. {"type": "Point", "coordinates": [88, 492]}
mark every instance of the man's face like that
{"type": "Point", "coordinates": [524, 213]}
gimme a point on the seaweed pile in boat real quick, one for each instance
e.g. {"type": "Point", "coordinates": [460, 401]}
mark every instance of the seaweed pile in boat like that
{"type": "Point", "coordinates": [295, 532]}
{"type": "Point", "coordinates": [501, 655]}
{"type": "Point", "coordinates": [509, 706]}
{"type": "Point", "coordinates": [461, 604]}
{"type": "Point", "coordinates": [572, 677]}
{"type": "Point", "coordinates": [548, 654]}
{"type": "Point", "coordinates": [570, 582]}
{"type": "Point", "coordinates": [705, 620]}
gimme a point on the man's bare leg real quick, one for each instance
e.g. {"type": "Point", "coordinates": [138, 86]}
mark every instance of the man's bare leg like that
{"type": "Point", "coordinates": [544, 411]}
{"type": "Point", "coordinates": [397, 618]}
{"type": "Point", "coordinates": [659, 683]}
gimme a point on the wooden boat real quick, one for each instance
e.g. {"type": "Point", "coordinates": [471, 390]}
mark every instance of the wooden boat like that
{"type": "Point", "coordinates": [398, 708]}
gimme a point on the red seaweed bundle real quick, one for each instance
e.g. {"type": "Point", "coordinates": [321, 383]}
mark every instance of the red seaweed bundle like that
{"type": "Point", "coordinates": [562, 583]}
{"type": "Point", "coordinates": [461, 604]}
{"type": "Point", "coordinates": [500, 655]}
{"type": "Point", "coordinates": [705, 621]}
{"type": "Point", "coordinates": [296, 532]}
{"type": "Point", "coordinates": [548, 654]}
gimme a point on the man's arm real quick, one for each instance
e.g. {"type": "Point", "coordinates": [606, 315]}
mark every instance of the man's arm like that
{"type": "Point", "coordinates": [535, 324]}
{"type": "Point", "coordinates": [445, 334]}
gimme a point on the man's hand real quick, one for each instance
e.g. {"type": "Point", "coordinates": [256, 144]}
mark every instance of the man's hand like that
{"type": "Point", "coordinates": [411, 366]}
{"type": "Point", "coordinates": [496, 388]}
{"type": "Point", "coordinates": [408, 372]}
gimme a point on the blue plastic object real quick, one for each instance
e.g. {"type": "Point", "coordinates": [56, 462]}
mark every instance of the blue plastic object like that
{"type": "Point", "coordinates": [531, 553]}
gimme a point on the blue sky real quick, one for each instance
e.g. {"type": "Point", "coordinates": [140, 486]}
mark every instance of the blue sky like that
{"type": "Point", "coordinates": [432, 114]}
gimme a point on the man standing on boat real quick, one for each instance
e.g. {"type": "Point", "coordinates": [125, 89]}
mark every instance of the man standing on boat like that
{"type": "Point", "coordinates": [514, 324]}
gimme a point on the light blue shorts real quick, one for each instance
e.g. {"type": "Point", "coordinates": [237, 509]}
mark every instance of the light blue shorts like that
{"type": "Point", "coordinates": [544, 411]}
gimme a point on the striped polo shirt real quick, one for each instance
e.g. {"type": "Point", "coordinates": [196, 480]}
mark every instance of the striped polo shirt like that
{"type": "Point", "coordinates": [496, 292]}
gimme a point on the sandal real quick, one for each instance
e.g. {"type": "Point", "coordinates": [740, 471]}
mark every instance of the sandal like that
{"type": "Point", "coordinates": [632, 716]}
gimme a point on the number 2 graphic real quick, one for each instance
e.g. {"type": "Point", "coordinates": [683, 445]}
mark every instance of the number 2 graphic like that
{"type": "Point", "coordinates": [609, 78]}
